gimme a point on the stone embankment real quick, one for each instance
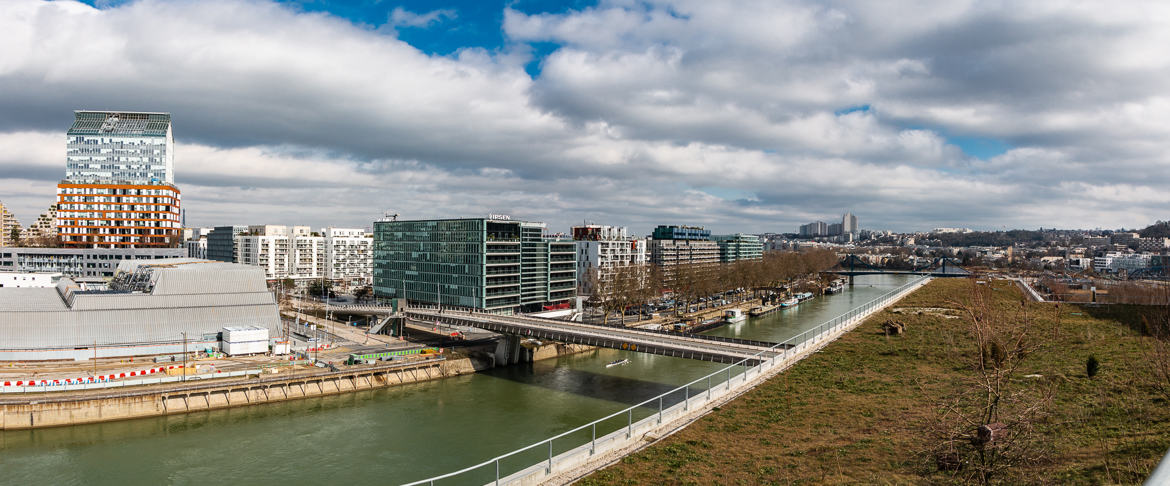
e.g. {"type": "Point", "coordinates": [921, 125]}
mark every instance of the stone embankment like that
{"type": "Point", "coordinates": [72, 408]}
{"type": "Point", "coordinates": [28, 410]}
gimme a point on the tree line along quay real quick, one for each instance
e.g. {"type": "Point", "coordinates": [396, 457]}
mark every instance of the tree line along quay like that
{"type": "Point", "coordinates": [632, 287]}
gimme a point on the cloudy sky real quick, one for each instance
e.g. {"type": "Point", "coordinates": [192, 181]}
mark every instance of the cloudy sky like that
{"type": "Point", "coordinates": [740, 116]}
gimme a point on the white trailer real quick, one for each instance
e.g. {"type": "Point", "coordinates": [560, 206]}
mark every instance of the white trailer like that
{"type": "Point", "coordinates": [238, 340]}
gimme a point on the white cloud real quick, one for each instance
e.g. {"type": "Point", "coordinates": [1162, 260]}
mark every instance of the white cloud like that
{"type": "Point", "coordinates": [644, 114]}
{"type": "Point", "coordinates": [401, 17]}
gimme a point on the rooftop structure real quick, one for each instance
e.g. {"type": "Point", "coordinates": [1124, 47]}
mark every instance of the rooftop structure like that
{"type": "Point", "coordinates": [663, 232]}
{"type": "Point", "coordinates": [597, 232]}
{"type": "Point", "coordinates": [601, 250]}
{"type": "Point", "coordinates": [78, 262]}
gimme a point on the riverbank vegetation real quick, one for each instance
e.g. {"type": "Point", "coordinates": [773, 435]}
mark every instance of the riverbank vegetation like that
{"type": "Point", "coordinates": [633, 286]}
{"type": "Point", "coordinates": [973, 384]}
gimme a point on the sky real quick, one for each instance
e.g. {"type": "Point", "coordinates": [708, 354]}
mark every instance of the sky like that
{"type": "Point", "coordinates": [746, 116]}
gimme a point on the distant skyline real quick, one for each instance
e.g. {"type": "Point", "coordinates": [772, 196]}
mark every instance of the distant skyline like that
{"type": "Point", "coordinates": [738, 116]}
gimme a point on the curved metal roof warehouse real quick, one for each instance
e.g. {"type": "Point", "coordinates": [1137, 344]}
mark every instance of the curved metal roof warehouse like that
{"type": "Point", "coordinates": [148, 307]}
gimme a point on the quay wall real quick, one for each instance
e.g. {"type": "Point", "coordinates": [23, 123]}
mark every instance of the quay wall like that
{"type": "Point", "coordinates": [66, 408]}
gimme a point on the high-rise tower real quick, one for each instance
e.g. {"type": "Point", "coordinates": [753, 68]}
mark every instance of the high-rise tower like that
{"type": "Point", "coordinates": [119, 189]}
{"type": "Point", "coordinates": [849, 224]}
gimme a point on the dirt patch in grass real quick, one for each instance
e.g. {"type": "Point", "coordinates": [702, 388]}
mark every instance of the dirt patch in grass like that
{"type": "Point", "coordinates": [860, 410]}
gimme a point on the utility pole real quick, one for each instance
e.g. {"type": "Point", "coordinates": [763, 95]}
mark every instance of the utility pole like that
{"type": "Point", "coordinates": [184, 356]}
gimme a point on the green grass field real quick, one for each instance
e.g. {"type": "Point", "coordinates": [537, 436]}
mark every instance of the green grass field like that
{"type": "Point", "coordinates": [862, 410]}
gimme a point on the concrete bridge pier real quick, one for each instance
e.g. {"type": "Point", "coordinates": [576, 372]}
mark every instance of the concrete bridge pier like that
{"type": "Point", "coordinates": [509, 351]}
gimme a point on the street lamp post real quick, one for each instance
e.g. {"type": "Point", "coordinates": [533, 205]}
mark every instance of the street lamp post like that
{"type": "Point", "coordinates": [184, 356]}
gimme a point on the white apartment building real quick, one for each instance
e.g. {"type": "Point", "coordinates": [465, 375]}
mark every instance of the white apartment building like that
{"type": "Point", "coordinates": [349, 256]}
{"type": "Point", "coordinates": [282, 252]}
{"type": "Point", "coordinates": [1116, 262]}
{"type": "Point", "coordinates": [340, 254]}
{"type": "Point", "coordinates": [602, 249]}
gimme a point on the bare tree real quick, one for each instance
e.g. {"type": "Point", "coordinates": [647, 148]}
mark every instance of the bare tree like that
{"type": "Point", "coordinates": [987, 429]}
{"type": "Point", "coordinates": [1156, 324]}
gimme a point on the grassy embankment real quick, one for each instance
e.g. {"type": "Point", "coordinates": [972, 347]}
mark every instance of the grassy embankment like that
{"type": "Point", "coordinates": [865, 409]}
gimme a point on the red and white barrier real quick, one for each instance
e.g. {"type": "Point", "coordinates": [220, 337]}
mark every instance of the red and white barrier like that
{"type": "Point", "coordinates": [91, 379]}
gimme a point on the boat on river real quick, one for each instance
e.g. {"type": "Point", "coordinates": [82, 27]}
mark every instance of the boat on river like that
{"type": "Point", "coordinates": [836, 287]}
{"type": "Point", "coordinates": [617, 362]}
{"type": "Point", "coordinates": [734, 315]}
{"type": "Point", "coordinates": [791, 301]}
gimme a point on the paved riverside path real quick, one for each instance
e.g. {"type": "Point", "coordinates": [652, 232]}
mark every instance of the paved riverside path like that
{"type": "Point", "coordinates": [706, 348]}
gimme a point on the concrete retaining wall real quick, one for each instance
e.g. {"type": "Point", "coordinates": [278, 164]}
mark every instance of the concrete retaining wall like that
{"type": "Point", "coordinates": [51, 410]}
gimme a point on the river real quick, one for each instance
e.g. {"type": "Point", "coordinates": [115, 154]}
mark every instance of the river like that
{"type": "Point", "coordinates": [386, 436]}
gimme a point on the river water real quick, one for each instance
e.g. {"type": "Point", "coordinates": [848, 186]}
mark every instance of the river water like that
{"type": "Point", "coordinates": [385, 436]}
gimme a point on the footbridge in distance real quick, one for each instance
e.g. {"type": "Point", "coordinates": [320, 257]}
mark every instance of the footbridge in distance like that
{"type": "Point", "coordinates": [666, 343]}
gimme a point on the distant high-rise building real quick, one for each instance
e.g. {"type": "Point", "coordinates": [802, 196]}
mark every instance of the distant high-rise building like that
{"type": "Point", "coordinates": [120, 146]}
{"type": "Point", "coordinates": [119, 190]}
{"type": "Point", "coordinates": [816, 228]}
{"type": "Point", "coordinates": [849, 224]}
{"type": "Point", "coordinates": [835, 229]}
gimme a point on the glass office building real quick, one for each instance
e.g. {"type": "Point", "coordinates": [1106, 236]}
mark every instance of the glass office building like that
{"type": "Point", "coordinates": [491, 264]}
{"type": "Point", "coordinates": [120, 146]}
{"type": "Point", "coordinates": [733, 248]}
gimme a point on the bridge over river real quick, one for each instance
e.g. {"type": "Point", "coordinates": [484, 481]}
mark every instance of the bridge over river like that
{"type": "Point", "coordinates": [853, 266]}
{"type": "Point", "coordinates": [691, 346]}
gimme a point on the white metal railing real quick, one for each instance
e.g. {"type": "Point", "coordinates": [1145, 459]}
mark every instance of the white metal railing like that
{"type": "Point", "coordinates": [655, 412]}
{"type": "Point", "coordinates": [97, 385]}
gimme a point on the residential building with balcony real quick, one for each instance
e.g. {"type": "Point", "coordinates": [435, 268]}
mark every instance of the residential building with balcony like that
{"type": "Point", "coordinates": [601, 250]}
{"type": "Point", "coordinates": [670, 249]}
{"type": "Point", "coordinates": [282, 251]}
{"type": "Point", "coordinates": [9, 227]}
{"type": "Point", "coordinates": [349, 256]}
{"type": "Point", "coordinates": [493, 264]}
{"type": "Point", "coordinates": [118, 214]}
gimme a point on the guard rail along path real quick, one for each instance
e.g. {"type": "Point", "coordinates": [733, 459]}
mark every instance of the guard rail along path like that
{"type": "Point", "coordinates": [571, 455]}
